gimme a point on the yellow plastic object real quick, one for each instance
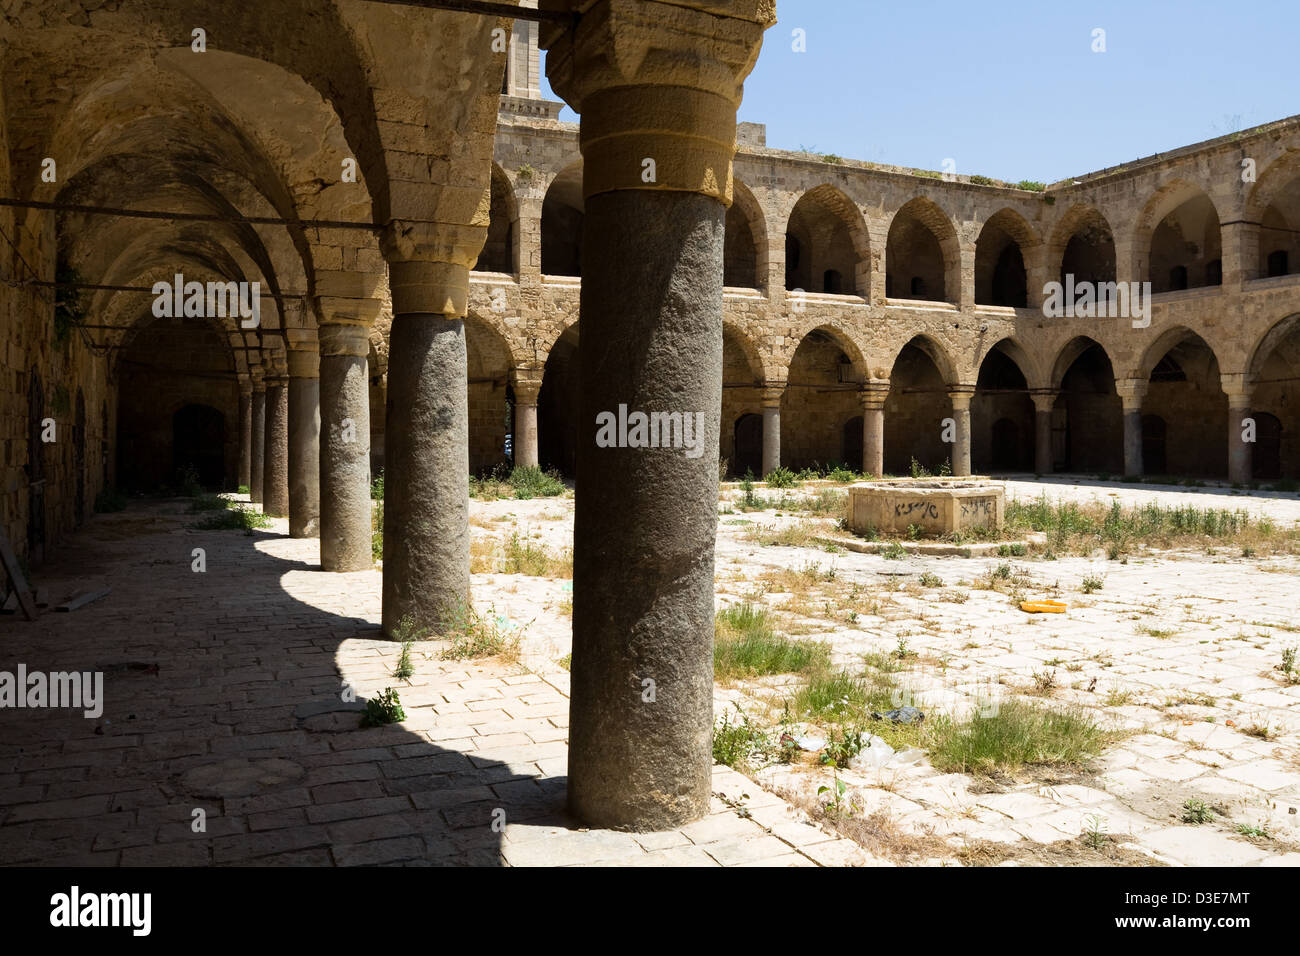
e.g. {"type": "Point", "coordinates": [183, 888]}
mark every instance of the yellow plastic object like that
{"type": "Point", "coordinates": [1044, 606]}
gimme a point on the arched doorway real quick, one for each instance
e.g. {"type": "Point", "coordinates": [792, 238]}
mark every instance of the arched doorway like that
{"type": "Point", "coordinates": [1087, 421]}
{"type": "Point", "coordinates": [1002, 414]}
{"type": "Point", "coordinates": [198, 443]}
{"type": "Point", "coordinates": [918, 403]}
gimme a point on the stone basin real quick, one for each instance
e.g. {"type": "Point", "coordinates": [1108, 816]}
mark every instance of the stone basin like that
{"type": "Point", "coordinates": [937, 506]}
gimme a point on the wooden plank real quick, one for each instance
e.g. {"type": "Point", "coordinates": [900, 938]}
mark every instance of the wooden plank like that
{"type": "Point", "coordinates": [15, 575]}
{"type": "Point", "coordinates": [81, 599]}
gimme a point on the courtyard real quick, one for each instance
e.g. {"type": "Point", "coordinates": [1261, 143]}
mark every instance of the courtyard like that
{"type": "Point", "coordinates": [226, 692]}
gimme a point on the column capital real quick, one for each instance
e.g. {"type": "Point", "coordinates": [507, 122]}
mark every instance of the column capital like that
{"type": "Point", "coordinates": [429, 263]}
{"type": "Point", "coordinates": [873, 395]}
{"type": "Point", "coordinates": [1044, 399]}
{"type": "Point", "coordinates": [527, 383]}
{"type": "Point", "coordinates": [657, 84]}
{"type": "Point", "coordinates": [960, 396]}
{"type": "Point", "coordinates": [344, 339]}
{"type": "Point", "coordinates": [1238, 387]}
{"type": "Point", "coordinates": [257, 378]}
{"type": "Point", "coordinates": [1131, 392]}
{"type": "Point", "coordinates": [337, 310]}
{"type": "Point", "coordinates": [771, 394]}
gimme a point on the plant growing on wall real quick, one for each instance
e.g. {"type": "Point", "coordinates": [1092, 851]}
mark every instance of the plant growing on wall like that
{"type": "Point", "coordinates": [69, 311]}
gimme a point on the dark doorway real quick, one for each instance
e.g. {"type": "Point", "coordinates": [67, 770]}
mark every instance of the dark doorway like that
{"type": "Point", "coordinates": [748, 454]}
{"type": "Point", "coordinates": [1006, 445]}
{"type": "Point", "coordinates": [1154, 459]}
{"type": "Point", "coordinates": [852, 444]}
{"type": "Point", "coordinates": [35, 473]}
{"type": "Point", "coordinates": [1267, 456]}
{"type": "Point", "coordinates": [199, 442]}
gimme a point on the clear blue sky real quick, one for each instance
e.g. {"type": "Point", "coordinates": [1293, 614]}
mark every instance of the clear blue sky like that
{"type": "Point", "coordinates": [1011, 88]}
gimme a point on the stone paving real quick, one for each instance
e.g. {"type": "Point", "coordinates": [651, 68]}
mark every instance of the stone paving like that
{"type": "Point", "coordinates": [224, 695]}
{"type": "Point", "coordinates": [1181, 650]}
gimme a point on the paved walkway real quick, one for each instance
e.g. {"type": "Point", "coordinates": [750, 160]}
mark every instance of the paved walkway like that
{"type": "Point", "coordinates": [224, 714]}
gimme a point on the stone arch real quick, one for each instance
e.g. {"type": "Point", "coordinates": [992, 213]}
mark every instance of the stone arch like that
{"type": "Point", "coordinates": [1273, 372]}
{"type": "Point", "coordinates": [500, 251]}
{"type": "Point", "coordinates": [742, 396]}
{"type": "Point", "coordinates": [1025, 360]}
{"type": "Point", "coordinates": [1002, 412]}
{"type": "Point", "coordinates": [826, 236]}
{"type": "Point", "coordinates": [922, 254]}
{"type": "Point", "coordinates": [1273, 212]}
{"type": "Point", "coordinates": [1184, 390]}
{"type": "Point", "coordinates": [1005, 252]}
{"type": "Point", "coordinates": [489, 361]}
{"type": "Point", "coordinates": [822, 383]}
{"type": "Point", "coordinates": [1082, 245]}
{"type": "Point", "coordinates": [917, 404]}
{"type": "Point", "coordinates": [745, 255]}
{"type": "Point", "coordinates": [1177, 239]}
{"type": "Point", "coordinates": [162, 366]}
{"type": "Point", "coordinates": [563, 209]}
{"type": "Point", "coordinates": [1087, 419]}
{"type": "Point", "coordinates": [935, 351]}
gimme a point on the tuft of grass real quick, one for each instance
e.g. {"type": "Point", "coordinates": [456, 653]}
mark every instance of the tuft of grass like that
{"type": "Point", "coordinates": [521, 556]}
{"type": "Point", "coordinates": [473, 635]}
{"type": "Point", "coordinates": [739, 743]}
{"type": "Point", "coordinates": [377, 487]}
{"type": "Point", "coordinates": [1197, 812]}
{"type": "Point", "coordinates": [529, 481]}
{"type": "Point", "coordinates": [781, 477]}
{"type": "Point", "coordinates": [1091, 583]}
{"type": "Point", "coordinates": [377, 530]}
{"type": "Point", "coordinates": [931, 580]}
{"type": "Point", "coordinates": [1017, 735]}
{"type": "Point", "coordinates": [746, 644]}
{"type": "Point", "coordinates": [233, 518]}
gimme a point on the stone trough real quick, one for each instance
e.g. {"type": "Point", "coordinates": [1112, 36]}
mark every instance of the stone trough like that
{"type": "Point", "coordinates": [937, 506]}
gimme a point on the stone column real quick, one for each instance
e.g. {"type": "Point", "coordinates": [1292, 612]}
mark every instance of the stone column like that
{"type": "Point", "coordinates": [657, 86]}
{"type": "Point", "coordinates": [771, 429]}
{"type": "Point", "coordinates": [304, 442]}
{"type": "Point", "coordinates": [1044, 402]}
{"type": "Point", "coordinates": [257, 458]}
{"type": "Point", "coordinates": [426, 432]}
{"type": "Point", "coordinates": [345, 509]}
{"type": "Point", "coordinates": [1240, 452]}
{"type": "Point", "coordinates": [1240, 253]}
{"type": "Point", "coordinates": [527, 386]}
{"type": "Point", "coordinates": [960, 396]}
{"type": "Point", "coordinates": [245, 435]}
{"type": "Point", "coordinates": [873, 396]}
{"type": "Point", "coordinates": [1131, 393]}
{"type": "Point", "coordinates": [275, 475]}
